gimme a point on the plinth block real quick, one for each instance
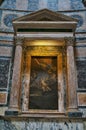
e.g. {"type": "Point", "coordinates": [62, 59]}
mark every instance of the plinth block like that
{"type": "Point", "coordinates": [11, 113]}
{"type": "Point", "coordinates": [74, 114]}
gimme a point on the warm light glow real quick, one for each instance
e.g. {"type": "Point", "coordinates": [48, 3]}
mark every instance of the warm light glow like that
{"type": "Point", "coordinates": [46, 42]}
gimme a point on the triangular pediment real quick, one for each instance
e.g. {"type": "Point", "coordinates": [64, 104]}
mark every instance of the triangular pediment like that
{"type": "Point", "coordinates": [44, 20]}
{"type": "Point", "coordinates": [45, 15]}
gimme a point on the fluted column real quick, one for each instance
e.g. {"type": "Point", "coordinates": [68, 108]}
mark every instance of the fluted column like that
{"type": "Point", "coordinates": [14, 104]}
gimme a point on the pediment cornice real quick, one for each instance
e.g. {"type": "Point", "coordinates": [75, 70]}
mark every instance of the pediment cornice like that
{"type": "Point", "coordinates": [45, 19]}
{"type": "Point", "coordinates": [45, 14]}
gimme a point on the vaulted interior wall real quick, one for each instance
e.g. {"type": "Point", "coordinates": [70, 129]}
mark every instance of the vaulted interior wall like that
{"type": "Point", "coordinates": [11, 9]}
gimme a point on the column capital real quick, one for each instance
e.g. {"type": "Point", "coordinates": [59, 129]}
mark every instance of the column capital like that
{"type": "Point", "coordinates": [69, 41]}
{"type": "Point", "coordinates": [19, 40]}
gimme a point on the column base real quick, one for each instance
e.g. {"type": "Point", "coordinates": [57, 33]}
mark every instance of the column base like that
{"type": "Point", "coordinates": [12, 112]}
{"type": "Point", "coordinates": [74, 114]}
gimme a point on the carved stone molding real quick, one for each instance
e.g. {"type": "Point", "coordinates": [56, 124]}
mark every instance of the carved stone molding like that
{"type": "Point", "coordinates": [69, 41]}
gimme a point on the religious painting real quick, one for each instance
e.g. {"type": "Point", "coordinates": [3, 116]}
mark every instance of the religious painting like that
{"type": "Point", "coordinates": [43, 83]}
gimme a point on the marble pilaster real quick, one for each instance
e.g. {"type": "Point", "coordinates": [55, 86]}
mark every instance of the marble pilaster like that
{"type": "Point", "coordinates": [72, 105]}
{"type": "Point", "coordinates": [71, 76]}
{"type": "Point", "coordinates": [14, 104]}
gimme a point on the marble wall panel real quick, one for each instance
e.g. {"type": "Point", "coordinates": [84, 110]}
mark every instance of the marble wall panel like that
{"type": "Point", "coordinates": [3, 98]}
{"type": "Point", "coordinates": [81, 37]}
{"type": "Point", "coordinates": [51, 4]}
{"type": "Point", "coordinates": [81, 99]}
{"type": "Point", "coordinates": [42, 4]}
{"type": "Point", "coordinates": [6, 50]}
{"type": "Point", "coordinates": [22, 4]}
{"type": "Point", "coordinates": [33, 5]}
{"type": "Point", "coordinates": [80, 44]}
{"type": "Point", "coordinates": [81, 73]}
{"type": "Point", "coordinates": [6, 20]}
{"type": "Point", "coordinates": [6, 37]}
{"type": "Point", "coordinates": [64, 5]}
{"type": "Point", "coordinates": [81, 16]}
{"type": "Point", "coordinates": [9, 4]}
{"type": "Point", "coordinates": [4, 73]}
{"type": "Point", "coordinates": [76, 4]}
{"type": "Point", "coordinates": [80, 51]}
{"type": "Point", "coordinates": [83, 110]}
{"type": "Point", "coordinates": [40, 124]}
{"type": "Point", "coordinates": [6, 43]}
